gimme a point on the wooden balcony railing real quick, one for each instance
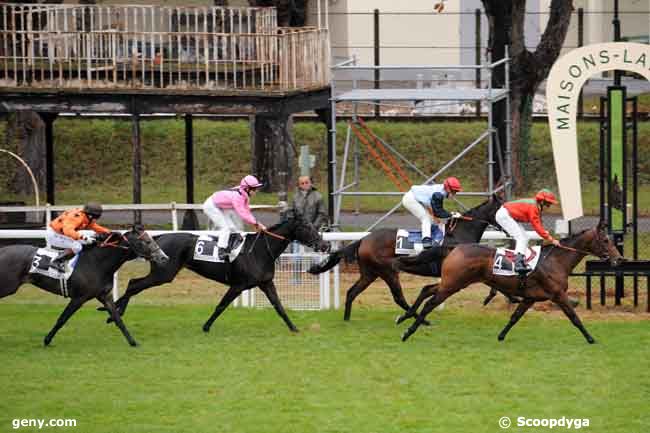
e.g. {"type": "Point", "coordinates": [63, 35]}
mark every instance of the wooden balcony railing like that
{"type": "Point", "coordinates": [151, 48]}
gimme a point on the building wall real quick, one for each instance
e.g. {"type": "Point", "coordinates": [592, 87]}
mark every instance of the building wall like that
{"type": "Point", "coordinates": [452, 35]}
{"type": "Point", "coordinates": [353, 33]}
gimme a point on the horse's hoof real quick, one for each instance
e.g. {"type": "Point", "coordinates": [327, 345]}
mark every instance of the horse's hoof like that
{"type": "Point", "coordinates": [47, 341]}
{"type": "Point", "coordinates": [406, 335]}
{"type": "Point", "coordinates": [590, 340]}
{"type": "Point", "coordinates": [426, 323]}
{"type": "Point", "coordinates": [206, 328]}
{"type": "Point", "coordinates": [133, 343]}
{"type": "Point", "coordinates": [101, 309]}
{"type": "Point", "coordinates": [501, 337]}
{"type": "Point", "coordinates": [400, 319]}
{"type": "Point", "coordinates": [294, 330]}
{"type": "Point", "coordinates": [109, 320]}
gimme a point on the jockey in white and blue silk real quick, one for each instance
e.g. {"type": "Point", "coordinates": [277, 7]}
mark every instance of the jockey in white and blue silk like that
{"type": "Point", "coordinates": [426, 203]}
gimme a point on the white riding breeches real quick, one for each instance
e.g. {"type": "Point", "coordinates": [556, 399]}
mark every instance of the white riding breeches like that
{"type": "Point", "coordinates": [225, 221]}
{"type": "Point", "coordinates": [514, 229]}
{"type": "Point", "coordinates": [421, 213]}
{"type": "Point", "coordinates": [58, 240]}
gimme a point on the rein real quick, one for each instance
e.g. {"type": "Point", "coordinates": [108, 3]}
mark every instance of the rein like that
{"type": "Point", "coordinates": [454, 222]}
{"type": "Point", "coordinates": [115, 244]}
{"type": "Point", "coordinates": [274, 235]}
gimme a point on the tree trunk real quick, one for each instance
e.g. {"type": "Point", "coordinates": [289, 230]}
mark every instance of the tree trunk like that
{"type": "Point", "coordinates": [28, 134]}
{"type": "Point", "coordinates": [273, 153]}
{"type": "Point", "coordinates": [528, 69]}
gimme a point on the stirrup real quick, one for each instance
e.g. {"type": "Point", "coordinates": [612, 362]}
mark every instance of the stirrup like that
{"type": "Point", "coordinates": [224, 254]}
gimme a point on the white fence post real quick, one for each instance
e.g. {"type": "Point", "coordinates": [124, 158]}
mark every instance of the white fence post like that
{"type": "Point", "coordinates": [116, 288]}
{"type": "Point", "coordinates": [174, 217]}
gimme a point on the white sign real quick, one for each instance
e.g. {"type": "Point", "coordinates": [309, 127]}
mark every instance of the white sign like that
{"type": "Point", "coordinates": [562, 90]}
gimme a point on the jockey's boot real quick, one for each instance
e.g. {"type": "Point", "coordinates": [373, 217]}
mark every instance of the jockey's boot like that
{"type": "Point", "coordinates": [59, 261]}
{"type": "Point", "coordinates": [427, 243]}
{"type": "Point", "coordinates": [520, 265]}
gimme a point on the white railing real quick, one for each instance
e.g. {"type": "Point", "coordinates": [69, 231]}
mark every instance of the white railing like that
{"type": "Point", "coordinates": [172, 207]}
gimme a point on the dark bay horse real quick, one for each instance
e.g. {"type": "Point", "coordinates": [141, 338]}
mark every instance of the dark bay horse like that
{"type": "Point", "coordinates": [472, 263]}
{"type": "Point", "coordinates": [253, 267]}
{"type": "Point", "coordinates": [376, 252]}
{"type": "Point", "coordinates": [91, 278]}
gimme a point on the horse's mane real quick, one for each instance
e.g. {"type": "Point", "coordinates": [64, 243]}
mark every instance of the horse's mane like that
{"type": "Point", "coordinates": [477, 211]}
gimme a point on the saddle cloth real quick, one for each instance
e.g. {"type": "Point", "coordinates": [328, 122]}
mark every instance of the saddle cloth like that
{"type": "Point", "coordinates": [41, 265]}
{"type": "Point", "coordinates": [409, 242]}
{"type": "Point", "coordinates": [504, 260]}
{"type": "Point", "coordinates": [206, 249]}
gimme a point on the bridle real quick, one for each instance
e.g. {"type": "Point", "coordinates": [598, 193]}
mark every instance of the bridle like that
{"type": "Point", "coordinates": [108, 243]}
{"type": "Point", "coordinates": [313, 243]}
{"type": "Point", "coordinates": [604, 256]}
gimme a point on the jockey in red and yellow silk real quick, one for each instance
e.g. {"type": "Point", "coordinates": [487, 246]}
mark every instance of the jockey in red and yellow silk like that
{"type": "Point", "coordinates": [529, 210]}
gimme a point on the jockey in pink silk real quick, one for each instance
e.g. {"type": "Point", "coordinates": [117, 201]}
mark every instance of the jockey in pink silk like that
{"type": "Point", "coordinates": [229, 209]}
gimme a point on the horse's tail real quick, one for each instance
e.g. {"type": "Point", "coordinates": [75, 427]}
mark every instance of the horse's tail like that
{"type": "Point", "coordinates": [350, 253]}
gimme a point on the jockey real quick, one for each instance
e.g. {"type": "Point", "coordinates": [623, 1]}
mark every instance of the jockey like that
{"type": "Point", "coordinates": [425, 202]}
{"type": "Point", "coordinates": [228, 210]}
{"type": "Point", "coordinates": [63, 232]}
{"type": "Point", "coordinates": [526, 210]}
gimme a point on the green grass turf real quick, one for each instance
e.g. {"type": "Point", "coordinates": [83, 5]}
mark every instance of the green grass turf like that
{"type": "Point", "coordinates": [250, 374]}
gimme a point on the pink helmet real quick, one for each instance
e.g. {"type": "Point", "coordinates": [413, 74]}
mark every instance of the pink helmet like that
{"type": "Point", "coordinates": [250, 182]}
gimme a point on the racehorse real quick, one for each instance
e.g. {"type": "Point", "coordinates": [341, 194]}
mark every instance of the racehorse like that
{"type": "Point", "coordinates": [376, 252]}
{"type": "Point", "coordinates": [92, 276]}
{"type": "Point", "coordinates": [472, 263]}
{"type": "Point", "coordinates": [254, 266]}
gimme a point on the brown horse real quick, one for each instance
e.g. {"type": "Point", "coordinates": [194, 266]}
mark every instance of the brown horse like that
{"type": "Point", "coordinates": [471, 263]}
{"type": "Point", "coordinates": [376, 252]}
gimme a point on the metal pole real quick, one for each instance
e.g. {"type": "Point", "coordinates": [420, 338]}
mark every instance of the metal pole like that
{"type": "Point", "coordinates": [581, 40]}
{"type": "Point", "coordinates": [377, 59]}
{"type": "Point", "coordinates": [492, 129]}
{"type": "Point", "coordinates": [603, 161]}
{"type": "Point", "coordinates": [508, 167]}
{"type": "Point", "coordinates": [617, 37]}
{"type": "Point", "coordinates": [189, 159]}
{"type": "Point", "coordinates": [635, 195]}
{"type": "Point", "coordinates": [331, 158]}
{"type": "Point", "coordinates": [137, 167]}
{"type": "Point", "coordinates": [48, 119]}
{"type": "Point", "coordinates": [477, 57]}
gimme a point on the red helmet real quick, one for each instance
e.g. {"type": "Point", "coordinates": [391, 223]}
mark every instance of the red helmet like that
{"type": "Point", "coordinates": [545, 195]}
{"type": "Point", "coordinates": [452, 184]}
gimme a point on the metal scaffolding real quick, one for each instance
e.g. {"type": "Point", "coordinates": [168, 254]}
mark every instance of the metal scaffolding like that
{"type": "Point", "coordinates": [357, 95]}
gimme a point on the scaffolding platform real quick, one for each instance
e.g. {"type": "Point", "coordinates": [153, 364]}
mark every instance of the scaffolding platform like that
{"type": "Point", "coordinates": [425, 94]}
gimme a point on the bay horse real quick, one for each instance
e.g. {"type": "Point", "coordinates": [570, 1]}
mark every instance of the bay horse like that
{"type": "Point", "coordinates": [376, 252]}
{"type": "Point", "coordinates": [471, 263]}
{"type": "Point", "coordinates": [253, 267]}
{"type": "Point", "coordinates": [91, 278]}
